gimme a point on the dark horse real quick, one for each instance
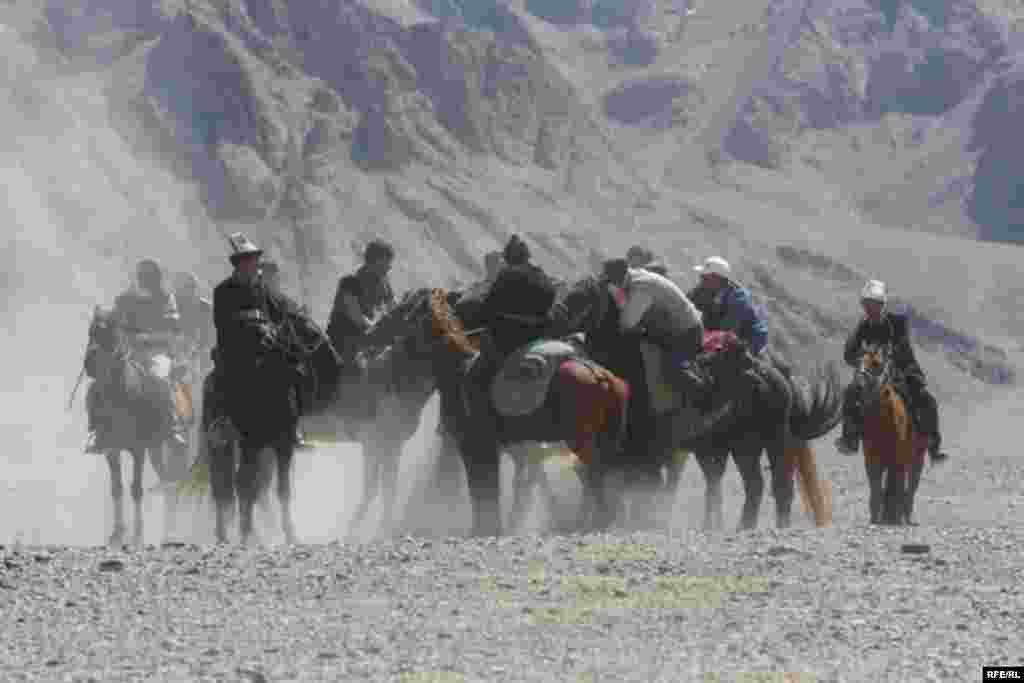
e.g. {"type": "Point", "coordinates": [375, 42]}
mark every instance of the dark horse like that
{"type": "Point", "coordinates": [745, 422]}
{"type": "Point", "coordinates": [136, 420]}
{"type": "Point", "coordinates": [299, 374]}
{"type": "Point", "coordinates": [894, 451]}
{"type": "Point", "coordinates": [779, 419]}
{"type": "Point", "coordinates": [584, 406]}
{"type": "Point", "coordinates": [379, 404]}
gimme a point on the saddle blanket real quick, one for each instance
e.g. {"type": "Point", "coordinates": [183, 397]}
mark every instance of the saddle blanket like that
{"type": "Point", "coordinates": [664, 395]}
{"type": "Point", "coordinates": [522, 384]}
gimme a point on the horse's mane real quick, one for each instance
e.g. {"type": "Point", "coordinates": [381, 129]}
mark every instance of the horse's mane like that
{"type": "Point", "coordinates": [446, 326]}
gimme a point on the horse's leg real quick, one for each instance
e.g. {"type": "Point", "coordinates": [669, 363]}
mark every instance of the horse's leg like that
{"type": "Point", "coordinates": [875, 470]}
{"type": "Point", "coordinates": [285, 451]}
{"type": "Point", "coordinates": [920, 448]}
{"type": "Point", "coordinates": [895, 492]}
{"type": "Point", "coordinates": [713, 462]}
{"type": "Point", "coordinates": [523, 473]}
{"type": "Point", "coordinates": [387, 484]}
{"type": "Point", "coordinates": [116, 496]}
{"type": "Point", "coordinates": [247, 483]}
{"type": "Point", "coordinates": [746, 453]}
{"type": "Point", "coordinates": [371, 475]}
{"type": "Point", "coordinates": [480, 456]}
{"type": "Point", "coordinates": [783, 481]}
{"type": "Point", "coordinates": [138, 469]}
{"type": "Point", "coordinates": [221, 462]}
{"type": "Point", "coordinates": [170, 465]}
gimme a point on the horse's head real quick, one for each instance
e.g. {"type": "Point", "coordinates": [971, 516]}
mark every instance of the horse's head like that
{"type": "Point", "coordinates": [403, 318]}
{"type": "Point", "coordinates": [875, 364]}
{"type": "Point", "coordinates": [441, 328]}
{"type": "Point", "coordinates": [103, 331]}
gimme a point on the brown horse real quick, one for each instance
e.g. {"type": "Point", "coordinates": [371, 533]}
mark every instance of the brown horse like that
{"type": "Point", "coordinates": [134, 421]}
{"type": "Point", "coordinates": [894, 452]}
{"type": "Point", "coordinates": [585, 407]}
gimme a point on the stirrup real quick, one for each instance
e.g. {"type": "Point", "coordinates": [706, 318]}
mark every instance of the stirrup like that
{"type": "Point", "coordinates": [300, 442]}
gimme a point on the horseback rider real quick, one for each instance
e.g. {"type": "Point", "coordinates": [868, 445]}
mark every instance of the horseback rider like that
{"type": "Point", "coordinates": [728, 306]}
{"type": "Point", "coordinates": [248, 318]}
{"type": "Point", "coordinates": [196, 314]}
{"type": "Point", "coordinates": [148, 315]}
{"type": "Point", "coordinates": [515, 311]}
{"type": "Point", "coordinates": [656, 310]}
{"type": "Point", "coordinates": [884, 327]}
{"type": "Point", "coordinates": [359, 298]}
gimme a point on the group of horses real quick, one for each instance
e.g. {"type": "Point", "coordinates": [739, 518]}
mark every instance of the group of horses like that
{"type": "Point", "coordinates": [424, 349]}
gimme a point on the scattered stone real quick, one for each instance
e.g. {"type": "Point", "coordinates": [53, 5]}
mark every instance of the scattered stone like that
{"type": "Point", "coordinates": [915, 548]}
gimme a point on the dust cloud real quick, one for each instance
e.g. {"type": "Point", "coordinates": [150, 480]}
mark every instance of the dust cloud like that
{"type": "Point", "coordinates": [82, 209]}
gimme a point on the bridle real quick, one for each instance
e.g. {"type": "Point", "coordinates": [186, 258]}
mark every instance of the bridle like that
{"type": "Point", "coordinates": [877, 376]}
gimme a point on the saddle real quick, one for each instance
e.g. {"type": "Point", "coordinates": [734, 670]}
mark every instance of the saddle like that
{"type": "Point", "coordinates": [522, 383]}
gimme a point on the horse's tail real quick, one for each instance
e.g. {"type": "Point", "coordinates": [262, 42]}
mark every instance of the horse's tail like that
{"type": "Point", "coordinates": [814, 491]}
{"type": "Point", "coordinates": [814, 417]}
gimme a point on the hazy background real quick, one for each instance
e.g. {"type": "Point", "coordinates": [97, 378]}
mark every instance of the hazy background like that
{"type": "Point", "coordinates": [779, 134]}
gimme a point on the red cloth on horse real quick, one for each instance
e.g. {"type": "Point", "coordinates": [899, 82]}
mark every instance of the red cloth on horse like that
{"type": "Point", "coordinates": [717, 341]}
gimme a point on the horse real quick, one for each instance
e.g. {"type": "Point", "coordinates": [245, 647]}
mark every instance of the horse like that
{"type": "Point", "coordinates": [583, 405]}
{"type": "Point", "coordinates": [237, 463]}
{"type": "Point", "coordinates": [379, 403]}
{"type": "Point", "coordinates": [135, 420]}
{"type": "Point", "coordinates": [894, 451]}
{"type": "Point", "coordinates": [780, 419]}
{"type": "Point", "coordinates": [527, 458]}
{"type": "Point", "coordinates": [735, 423]}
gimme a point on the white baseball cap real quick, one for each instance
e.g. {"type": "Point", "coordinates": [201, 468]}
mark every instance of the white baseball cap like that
{"type": "Point", "coordinates": [874, 290]}
{"type": "Point", "coordinates": [716, 265]}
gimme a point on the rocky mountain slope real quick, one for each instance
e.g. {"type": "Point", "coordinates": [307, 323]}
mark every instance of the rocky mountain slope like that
{"type": "Point", "coordinates": [813, 143]}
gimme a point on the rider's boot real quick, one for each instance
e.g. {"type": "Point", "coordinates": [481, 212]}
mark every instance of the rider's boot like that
{"type": "Point", "coordinates": [849, 442]}
{"type": "Point", "coordinates": [928, 416]}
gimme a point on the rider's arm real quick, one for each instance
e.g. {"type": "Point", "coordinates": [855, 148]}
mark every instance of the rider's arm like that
{"type": "Point", "coordinates": [742, 318]}
{"type": "Point", "coordinates": [901, 345]}
{"type": "Point", "coordinates": [851, 351]}
{"type": "Point", "coordinates": [350, 307]}
{"type": "Point", "coordinates": [637, 303]}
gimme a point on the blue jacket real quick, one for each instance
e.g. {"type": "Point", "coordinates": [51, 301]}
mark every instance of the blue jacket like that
{"type": "Point", "coordinates": [732, 309]}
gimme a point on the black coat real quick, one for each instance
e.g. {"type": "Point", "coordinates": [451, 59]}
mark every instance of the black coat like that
{"type": "Point", "coordinates": [517, 308]}
{"type": "Point", "coordinates": [241, 316]}
{"type": "Point", "coordinates": [894, 329]}
{"type": "Point", "coordinates": [371, 291]}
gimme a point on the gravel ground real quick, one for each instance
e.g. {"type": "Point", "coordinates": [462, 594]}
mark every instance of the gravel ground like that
{"type": "Point", "coordinates": [842, 604]}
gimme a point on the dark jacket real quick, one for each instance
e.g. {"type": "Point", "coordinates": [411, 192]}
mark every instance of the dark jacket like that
{"type": "Point", "coordinates": [142, 311]}
{"type": "Point", "coordinates": [245, 327]}
{"type": "Point", "coordinates": [371, 291]}
{"type": "Point", "coordinates": [894, 329]}
{"type": "Point", "coordinates": [517, 308]}
{"type": "Point", "coordinates": [732, 310]}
